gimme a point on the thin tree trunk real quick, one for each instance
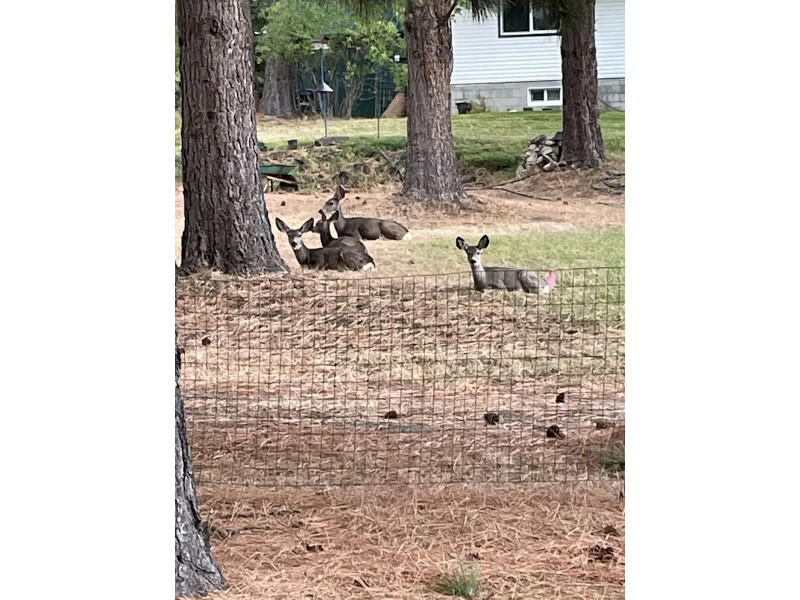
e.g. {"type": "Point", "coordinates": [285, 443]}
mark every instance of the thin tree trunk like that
{"type": "Point", "coordinates": [195, 570]}
{"type": "Point", "coordinates": [227, 226]}
{"type": "Point", "coordinates": [583, 139]}
{"type": "Point", "coordinates": [277, 97]}
{"type": "Point", "coordinates": [431, 168]}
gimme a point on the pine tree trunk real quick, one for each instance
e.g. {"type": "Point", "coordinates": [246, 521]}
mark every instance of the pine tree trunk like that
{"type": "Point", "coordinates": [583, 140]}
{"type": "Point", "coordinates": [431, 168]}
{"type": "Point", "coordinates": [195, 570]}
{"type": "Point", "coordinates": [227, 226]}
{"type": "Point", "coordinates": [277, 97]}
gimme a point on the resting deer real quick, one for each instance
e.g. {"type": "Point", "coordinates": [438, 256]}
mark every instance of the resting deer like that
{"type": "Point", "coordinates": [366, 228]}
{"type": "Point", "coordinates": [500, 278]}
{"type": "Point", "coordinates": [335, 258]}
{"type": "Point", "coordinates": [323, 228]}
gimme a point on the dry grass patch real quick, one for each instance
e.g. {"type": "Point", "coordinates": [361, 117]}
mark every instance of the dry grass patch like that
{"type": "Point", "coordinates": [434, 227]}
{"type": "Point", "coordinates": [394, 542]}
{"type": "Point", "coordinates": [287, 378]}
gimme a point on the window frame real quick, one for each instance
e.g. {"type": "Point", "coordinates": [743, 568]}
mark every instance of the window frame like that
{"type": "Point", "coordinates": [531, 31]}
{"type": "Point", "coordinates": [547, 102]}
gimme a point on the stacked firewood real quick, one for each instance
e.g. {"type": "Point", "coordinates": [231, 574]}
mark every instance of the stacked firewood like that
{"type": "Point", "coordinates": [544, 153]}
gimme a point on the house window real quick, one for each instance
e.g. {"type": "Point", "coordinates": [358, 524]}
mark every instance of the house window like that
{"type": "Point", "coordinates": [518, 19]}
{"type": "Point", "coordinates": [544, 96]}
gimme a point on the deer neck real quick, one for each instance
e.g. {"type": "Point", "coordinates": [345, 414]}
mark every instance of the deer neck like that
{"type": "Point", "coordinates": [301, 253]}
{"type": "Point", "coordinates": [478, 275]}
{"type": "Point", "coordinates": [340, 223]}
{"type": "Point", "coordinates": [325, 235]}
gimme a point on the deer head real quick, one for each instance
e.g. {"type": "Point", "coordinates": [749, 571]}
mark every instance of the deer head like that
{"type": "Point", "coordinates": [473, 252]}
{"type": "Point", "coordinates": [295, 235]}
{"type": "Point", "coordinates": [333, 204]}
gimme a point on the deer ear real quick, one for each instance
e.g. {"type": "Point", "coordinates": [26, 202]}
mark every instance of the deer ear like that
{"type": "Point", "coordinates": [307, 226]}
{"type": "Point", "coordinates": [280, 225]}
{"type": "Point", "coordinates": [460, 243]}
{"type": "Point", "coordinates": [339, 192]}
{"type": "Point", "coordinates": [484, 242]}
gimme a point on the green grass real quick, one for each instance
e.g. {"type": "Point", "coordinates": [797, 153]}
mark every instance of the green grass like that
{"type": "Point", "coordinates": [368, 146]}
{"type": "Point", "coordinates": [612, 458]}
{"type": "Point", "coordinates": [462, 583]}
{"type": "Point", "coordinates": [545, 250]}
{"type": "Point", "coordinates": [491, 141]}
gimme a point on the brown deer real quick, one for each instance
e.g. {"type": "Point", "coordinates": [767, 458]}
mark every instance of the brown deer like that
{"type": "Point", "coordinates": [323, 228]}
{"type": "Point", "coordinates": [335, 258]}
{"type": "Point", "coordinates": [366, 228]}
{"type": "Point", "coordinates": [501, 278]}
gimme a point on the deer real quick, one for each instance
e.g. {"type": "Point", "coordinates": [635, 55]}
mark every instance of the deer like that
{"type": "Point", "coordinates": [323, 228]}
{"type": "Point", "coordinates": [366, 228]}
{"type": "Point", "coordinates": [334, 258]}
{"type": "Point", "coordinates": [501, 278]}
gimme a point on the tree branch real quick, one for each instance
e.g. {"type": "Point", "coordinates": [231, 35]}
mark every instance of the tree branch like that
{"type": "Point", "coordinates": [444, 19]}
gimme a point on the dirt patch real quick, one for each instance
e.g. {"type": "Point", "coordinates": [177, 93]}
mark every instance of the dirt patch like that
{"type": "Point", "coordinates": [570, 205]}
{"type": "Point", "coordinates": [392, 542]}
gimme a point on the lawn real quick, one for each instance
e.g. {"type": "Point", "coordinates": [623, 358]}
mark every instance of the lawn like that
{"type": "Point", "coordinates": [473, 132]}
{"type": "Point", "coordinates": [490, 141]}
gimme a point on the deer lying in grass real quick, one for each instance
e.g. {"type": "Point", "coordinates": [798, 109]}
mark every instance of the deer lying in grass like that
{"type": "Point", "coordinates": [501, 278]}
{"type": "Point", "coordinates": [323, 228]}
{"type": "Point", "coordinates": [366, 228]}
{"type": "Point", "coordinates": [334, 258]}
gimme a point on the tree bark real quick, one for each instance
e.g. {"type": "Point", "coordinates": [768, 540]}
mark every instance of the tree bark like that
{"type": "Point", "coordinates": [583, 139]}
{"type": "Point", "coordinates": [277, 97]}
{"type": "Point", "coordinates": [227, 225]}
{"type": "Point", "coordinates": [195, 570]}
{"type": "Point", "coordinates": [431, 168]}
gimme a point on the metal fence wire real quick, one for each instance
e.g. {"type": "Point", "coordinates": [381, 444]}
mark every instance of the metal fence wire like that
{"type": "Point", "coordinates": [319, 379]}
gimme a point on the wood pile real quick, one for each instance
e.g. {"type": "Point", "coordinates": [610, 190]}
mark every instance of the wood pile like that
{"type": "Point", "coordinates": [397, 107]}
{"type": "Point", "coordinates": [543, 154]}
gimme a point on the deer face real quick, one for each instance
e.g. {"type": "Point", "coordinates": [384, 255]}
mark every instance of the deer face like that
{"type": "Point", "coordinates": [473, 252]}
{"type": "Point", "coordinates": [295, 235]}
{"type": "Point", "coordinates": [332, 205]}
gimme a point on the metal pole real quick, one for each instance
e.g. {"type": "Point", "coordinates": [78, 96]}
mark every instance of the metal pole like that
{"type": "Point", "coordinates": [324, 94]}
{"type": "Point", "coordinates": [377, 106]}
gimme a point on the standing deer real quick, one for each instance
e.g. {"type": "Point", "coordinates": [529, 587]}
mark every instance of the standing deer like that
{"type": "Point", "coordinates": [335, 258]}
{"type": "Point", "coordinates": [501, 278]}
{"type": "Point", "coordinates": [366, 228]}
{"type": "Point", "coordinates": [323, 228]}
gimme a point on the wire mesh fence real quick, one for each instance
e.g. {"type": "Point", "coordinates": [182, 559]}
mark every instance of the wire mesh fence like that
{"type": "Point", "coordinates": [336, 379]}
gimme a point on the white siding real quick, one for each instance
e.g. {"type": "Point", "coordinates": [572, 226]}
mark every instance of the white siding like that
{"type": "Point", "coordinates": [481, 56]}
{"type": "Point", "coordinates": [609, 37]}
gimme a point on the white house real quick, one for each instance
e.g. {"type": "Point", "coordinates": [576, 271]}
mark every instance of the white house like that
{"type": "Point", "coordinates": [513, 60]}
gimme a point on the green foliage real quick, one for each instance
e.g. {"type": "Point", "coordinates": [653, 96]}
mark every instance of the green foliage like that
{"type": "Point", "coordinates": [359, 51]}
{"type": "Point", "coordinates": [291, 26]}
{"type": "Point", "coordinates": [358, 44]}
{"type": "Point", "coordinates": [462, 583]}
{"type": "Point", "coordinates": [612, 458]}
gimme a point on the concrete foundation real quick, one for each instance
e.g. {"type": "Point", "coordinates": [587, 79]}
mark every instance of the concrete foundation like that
{"type": "Point", "coordinates": [502, 97]}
